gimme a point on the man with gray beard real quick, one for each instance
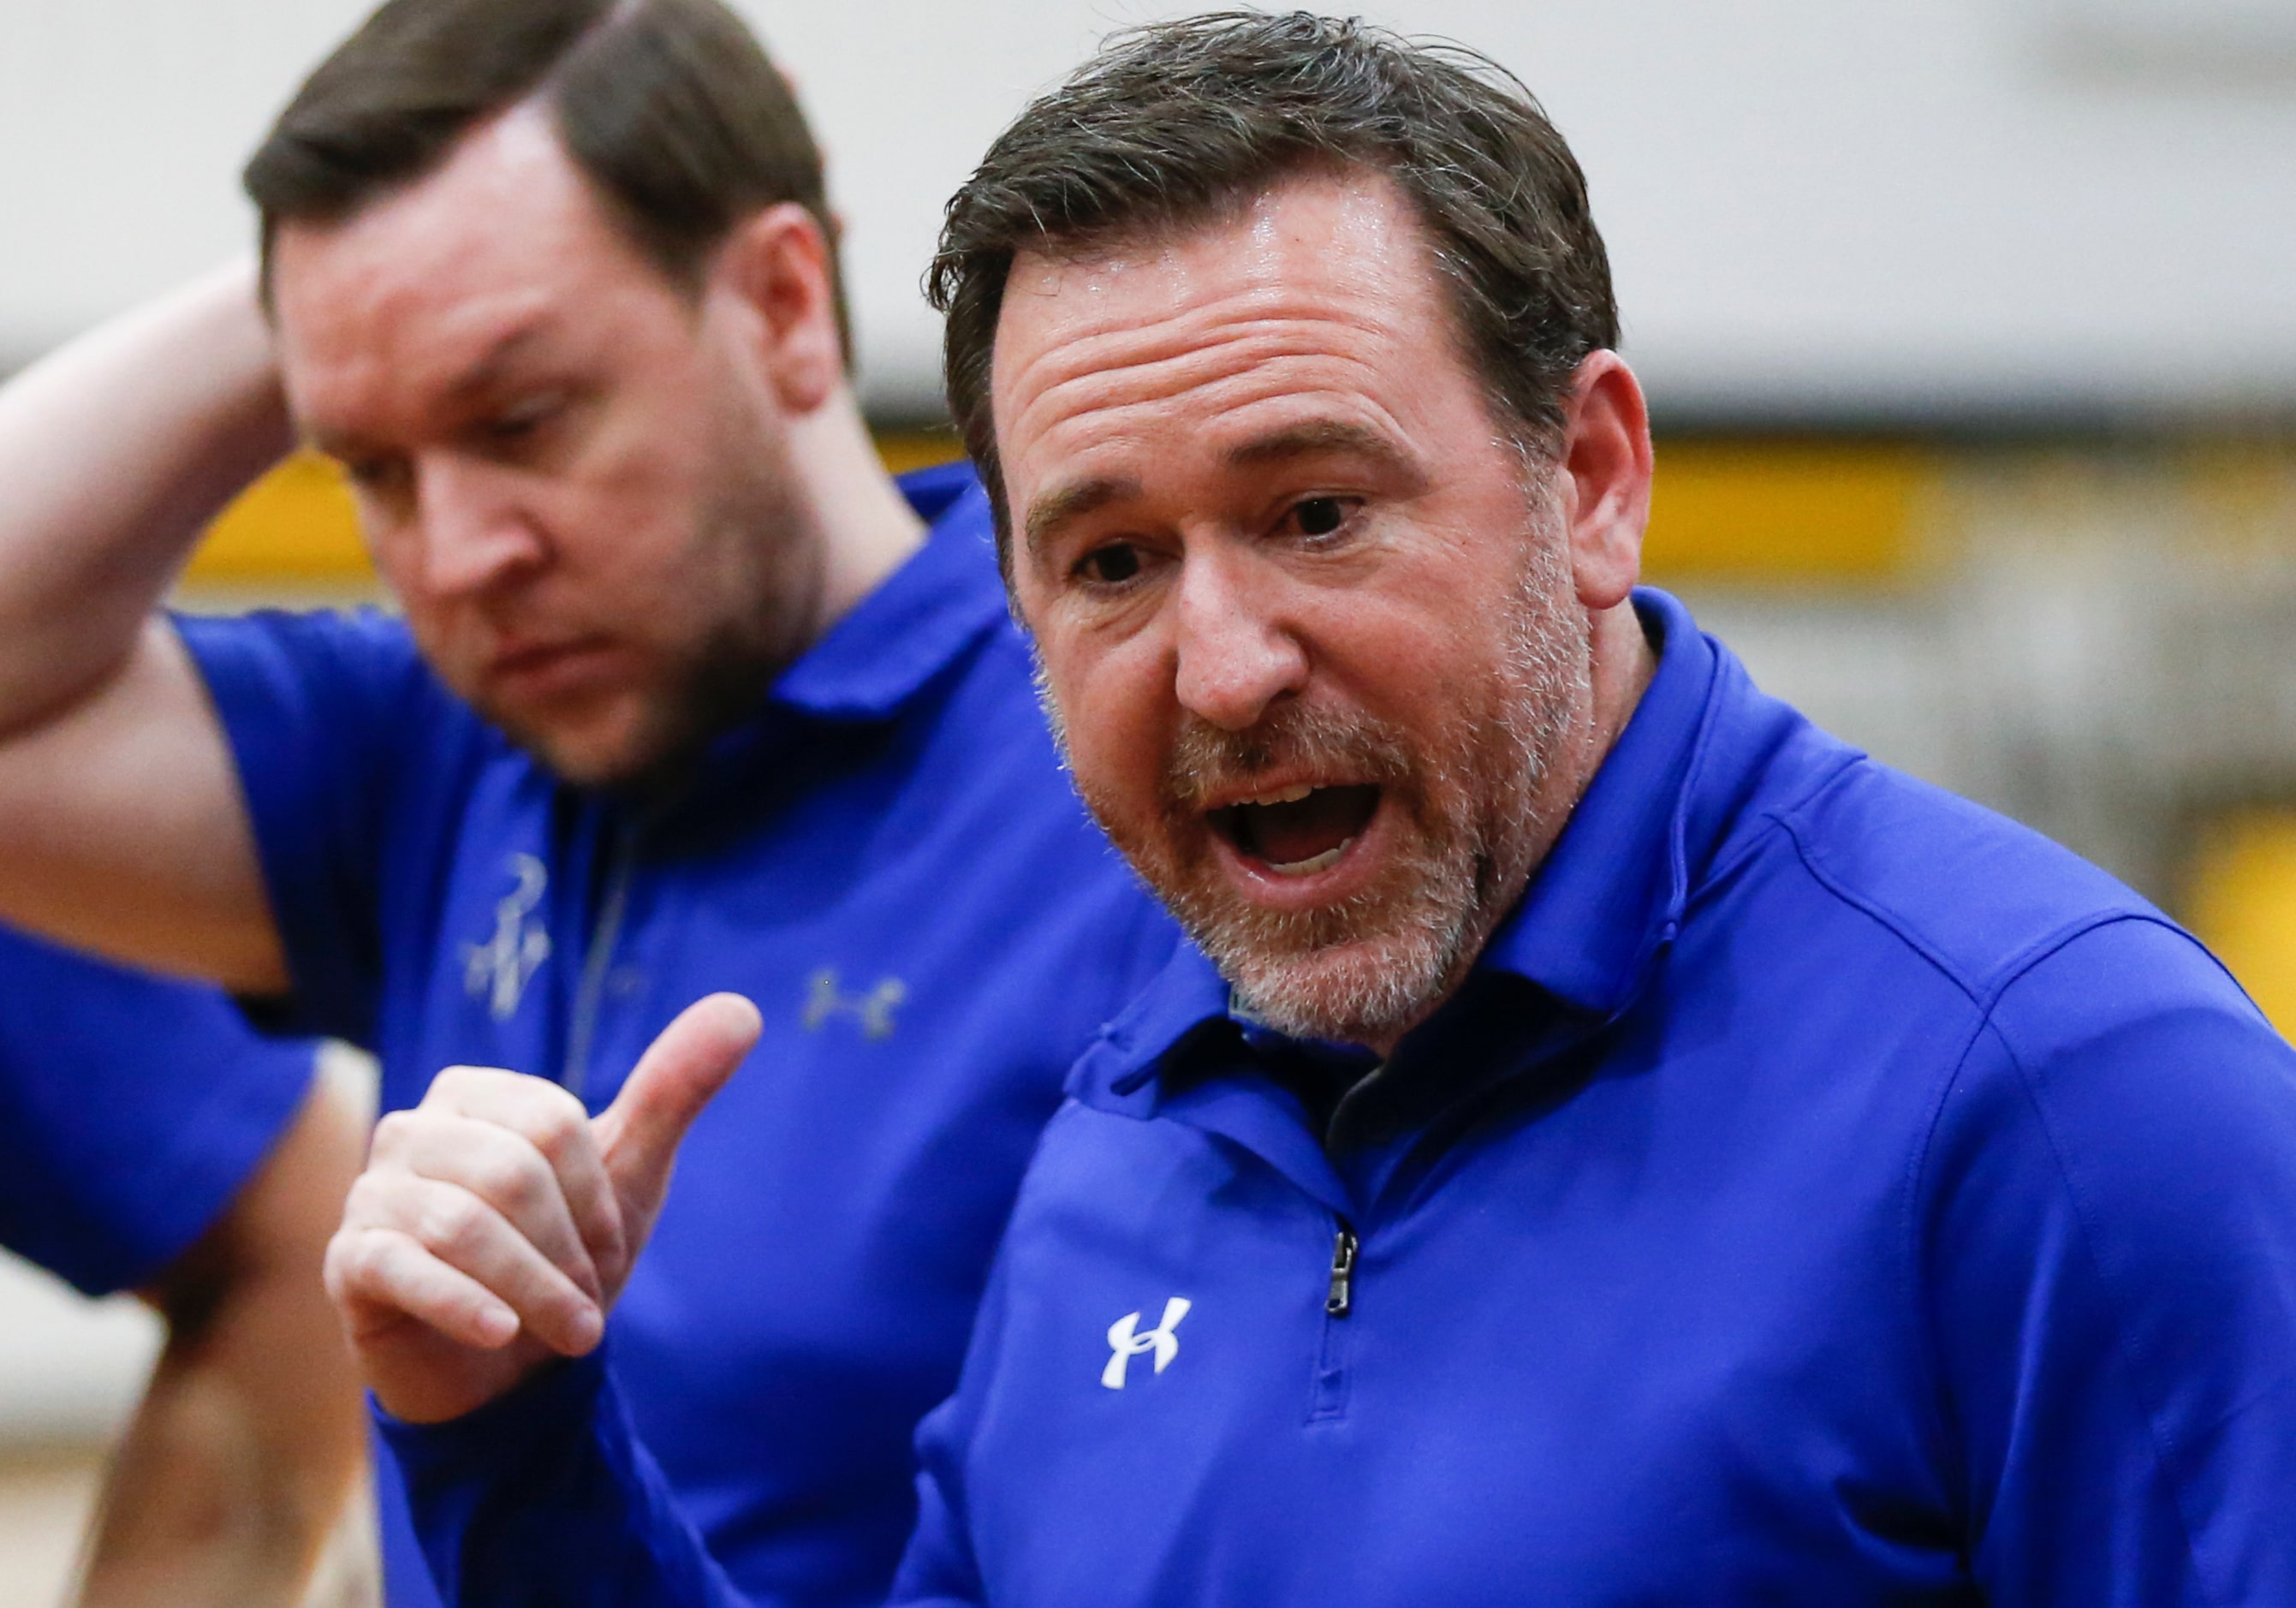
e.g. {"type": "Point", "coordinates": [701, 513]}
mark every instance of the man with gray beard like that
{"type": "Point", "coordinates": [1609, 1143]}
{"type": "Point", "coordinates": [1474, 826]}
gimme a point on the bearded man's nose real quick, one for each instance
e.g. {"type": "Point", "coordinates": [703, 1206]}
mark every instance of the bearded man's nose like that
{"type": "Point", "coordinates": [472, 534]}
{"type": "Point", "coordinates": [1236, 657]}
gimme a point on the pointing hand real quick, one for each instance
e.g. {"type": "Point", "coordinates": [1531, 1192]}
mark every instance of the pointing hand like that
{"type": "Point", "coordinates": [496, 1222]}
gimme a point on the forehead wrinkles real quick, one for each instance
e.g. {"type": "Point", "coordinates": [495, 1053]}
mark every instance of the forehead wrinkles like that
{"type": "Point", "coordinates": [400, 355]}
{"type": "Point", "coordinates": [432, 274]}
{"type": "Point", "coordinates": [1209, 385]}
{"type": "Point", "coordinates": [1230, 353]}
{"type": "Point", "coordinates": [419, 333]}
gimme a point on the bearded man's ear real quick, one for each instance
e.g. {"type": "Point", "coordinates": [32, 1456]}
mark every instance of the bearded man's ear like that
{"type": "Point", "coordinates": [777, 264]}
{"type": "Point", "coordinates": [1605, 472]}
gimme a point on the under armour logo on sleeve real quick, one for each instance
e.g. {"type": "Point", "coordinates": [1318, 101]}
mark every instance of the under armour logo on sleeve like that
{"type": "Point", "coordinates": [1125, 1341]}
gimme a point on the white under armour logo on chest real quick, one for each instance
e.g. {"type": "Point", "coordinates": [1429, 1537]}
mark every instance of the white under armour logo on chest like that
{"type": "Point", "coordinates": [1126, 1342]}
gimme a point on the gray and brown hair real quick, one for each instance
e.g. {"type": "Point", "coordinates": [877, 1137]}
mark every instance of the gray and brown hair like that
{"type": "Point", "coordinates": [670, 108]}
{"type": "Point", "coordinates": [1174, 124]}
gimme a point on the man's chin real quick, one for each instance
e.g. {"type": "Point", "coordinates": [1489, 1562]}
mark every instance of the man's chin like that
{"type": "Point", "coordinates": [1362, 971]}
{"type": "Point", "coordinates": [641, 738]}
{"type": "Point", "coordinates": [1367, 991]}
{"type": "Point", "coordinates": [609, 749]}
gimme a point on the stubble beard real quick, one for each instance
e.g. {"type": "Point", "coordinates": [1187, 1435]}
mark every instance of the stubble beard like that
{"type": "Point", "coordinates": [1477, 815]}
{"type": "Point", "coordinates": [759, 573]}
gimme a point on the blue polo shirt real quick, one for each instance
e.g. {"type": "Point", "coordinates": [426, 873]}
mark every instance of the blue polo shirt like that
{"type": "Point", "coordinates": [132, 1111]}
{"type": "Point", "coordinates": [887, 857]}
{"type": "Point", "coordinates": [1823, 1192]}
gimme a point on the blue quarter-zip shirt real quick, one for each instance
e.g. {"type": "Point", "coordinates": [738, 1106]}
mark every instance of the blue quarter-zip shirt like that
{"type": "Point", "coordinates": [1823, 1192]}
{"type": "Point", "coordinates": [886, 857]}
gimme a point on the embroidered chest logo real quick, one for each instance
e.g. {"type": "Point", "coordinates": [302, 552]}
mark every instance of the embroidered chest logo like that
{"type": "Point", "coordinates": [498, 970]}
{"type": "Point", "coordinates": [874, 1011]}
{"type": "Point", "coordinates": [1126, 1343]}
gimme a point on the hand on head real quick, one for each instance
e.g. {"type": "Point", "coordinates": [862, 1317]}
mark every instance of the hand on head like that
{"type": "Point", "coordinates": [497, 1222]}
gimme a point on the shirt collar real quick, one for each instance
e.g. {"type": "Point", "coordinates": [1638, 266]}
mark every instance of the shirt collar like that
{"type": "Point", "coordinates": [1186, 996]}
{"type": "Point", "coordinates": [1608, 897]}
{"type": "Point", "coordinates": [1611, 891]}
{"type": "Point", "coordinates": [918, 621]}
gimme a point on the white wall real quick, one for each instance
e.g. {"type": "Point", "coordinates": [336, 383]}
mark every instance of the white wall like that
{"type": "Point", "coordinates": [1814, 205]}
{"type": "Point", "coordinates": [70, 1370]}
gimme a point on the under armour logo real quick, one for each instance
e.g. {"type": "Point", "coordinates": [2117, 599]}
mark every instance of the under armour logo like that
{"type": "Point", "coordinates": [498, 970]}
{"type": "Point", "coordinates": [873, 1009]}
{"type": "Point", "coordinates": [1125, 1341]}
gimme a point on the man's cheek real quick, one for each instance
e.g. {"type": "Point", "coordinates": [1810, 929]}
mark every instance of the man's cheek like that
{"type": "Point", "coordinates": [1100, 768]}
{"type": "Point", "coordinates": [1117, 779]}
{"type": "Point", "coordinates": [1115, 707]}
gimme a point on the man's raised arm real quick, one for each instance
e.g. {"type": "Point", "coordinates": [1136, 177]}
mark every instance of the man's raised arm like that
{"type": "Point", "coordinates": [121, 825]}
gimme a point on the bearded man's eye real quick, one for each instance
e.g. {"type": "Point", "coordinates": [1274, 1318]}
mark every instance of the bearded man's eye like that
{"type": "Point", "coordinates": [1320, 515]}
{"type": "Point", "coordinates": [377, 477]}
{"type": "Point", "coordinates": [1110, 566]}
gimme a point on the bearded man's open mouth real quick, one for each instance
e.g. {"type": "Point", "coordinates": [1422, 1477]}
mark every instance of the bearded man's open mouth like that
{"type": "Point", "coordinates": [1298, 830]}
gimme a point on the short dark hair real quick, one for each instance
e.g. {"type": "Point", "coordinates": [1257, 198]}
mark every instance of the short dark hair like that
{"type": "Point", "coordinates": [670, 108]}
{"type": "Point", "coordinates": [1172, 123]}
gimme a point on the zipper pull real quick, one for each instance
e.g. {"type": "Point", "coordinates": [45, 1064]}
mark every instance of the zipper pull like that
{"type": "Point", "coordinates": [1342, 1296]}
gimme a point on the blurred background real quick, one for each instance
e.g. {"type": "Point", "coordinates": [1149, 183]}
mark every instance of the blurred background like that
{"type": "Point", "coordinates": [1970, 327]}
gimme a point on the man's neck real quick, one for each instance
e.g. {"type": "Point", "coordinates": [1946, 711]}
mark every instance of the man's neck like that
{"type": "Point", "coordinates": [1622, 664]}
{"type": "Point", "coordinates": [867, 527]}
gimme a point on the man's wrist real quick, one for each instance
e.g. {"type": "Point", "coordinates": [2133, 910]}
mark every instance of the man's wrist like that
{"type": "Point", "coordinates": [555, 1395]}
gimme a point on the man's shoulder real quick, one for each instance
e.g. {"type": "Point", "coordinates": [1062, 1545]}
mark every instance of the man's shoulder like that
{"type": "Point", "coordinates": [360, 631]}
{"type": "Point", "coordinates": [293, 684]}
{"type": "Point", "coordinates": [1886, 874]}
{"type": "Point", "coordinates": [358, 769]}
{"type": "Point", "coordinates": [335, 661]}
{"type": "Point", "coordinates": [1975, 895]}
{"type": "Point", "coordinates": [2060, 964]}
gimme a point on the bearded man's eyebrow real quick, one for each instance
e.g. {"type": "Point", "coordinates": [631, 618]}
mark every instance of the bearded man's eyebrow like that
{"type": "Point", "coordinates": [485, 372]}
{"type": "Point", "coordinates": [1327, 438]}
{"type": "Point", "coordinates": [1049, 513]}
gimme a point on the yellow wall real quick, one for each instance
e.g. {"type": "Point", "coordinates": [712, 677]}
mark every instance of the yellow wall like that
{"type": "Point", "coordinates": [1790, 512]}
{"type": "Point", "coordinates": [294, 524]}
{"type": "Point", "coordinates": [2242, 905]}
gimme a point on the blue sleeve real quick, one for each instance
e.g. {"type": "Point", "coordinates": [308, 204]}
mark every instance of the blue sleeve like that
{"type": "Point", "coordinates": [322, 712]}
{"type": "Point", "coordinates": [937, 1570]}
{"type": "Point", "coordinates": [2109, 1226]}
{"type": "Point", "coordinates": [132, 1109]}
{"type": "Point", "coordinates": [545, 1498]}
{"type": "Point", "coordinates": [941, 1569]}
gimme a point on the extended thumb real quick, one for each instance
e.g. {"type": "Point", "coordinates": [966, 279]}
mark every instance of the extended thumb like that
{"type": "Point", "coordinates": [639, 1134]}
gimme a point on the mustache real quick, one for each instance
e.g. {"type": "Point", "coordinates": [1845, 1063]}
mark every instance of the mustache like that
{"type": "Point", "coordinates": [1207, 760]}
